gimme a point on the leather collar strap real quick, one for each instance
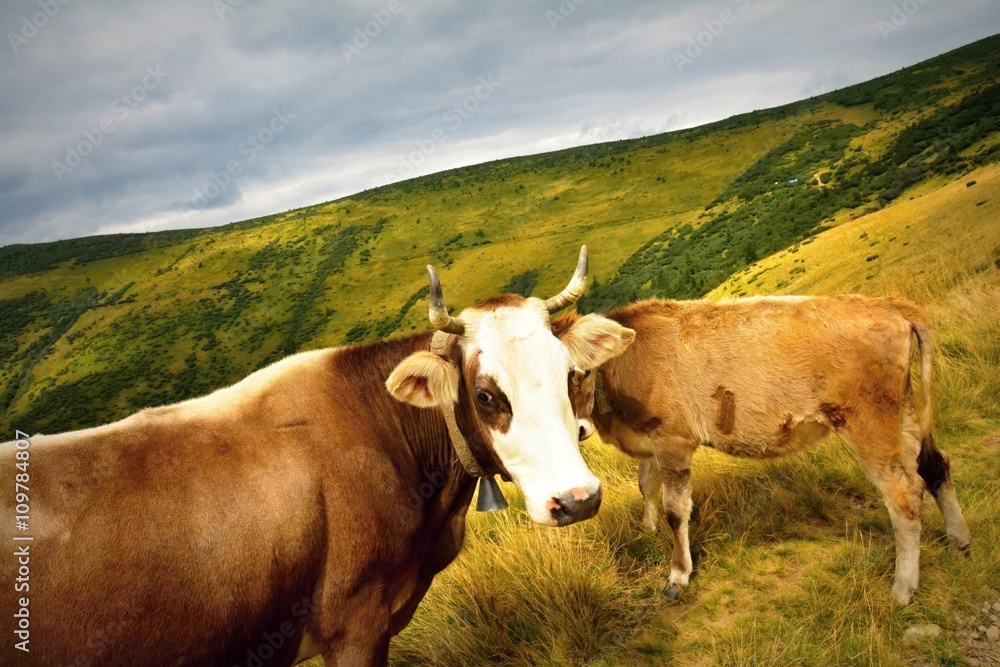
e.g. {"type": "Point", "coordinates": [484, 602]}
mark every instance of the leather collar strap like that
{"type": "Point", "coordinates": [601, 396]}
{"type": "Point", "coordinates": [465, 455]}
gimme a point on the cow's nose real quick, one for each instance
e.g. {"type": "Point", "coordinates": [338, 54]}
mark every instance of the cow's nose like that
{"type": "Point", "coordinates": [575, 505]}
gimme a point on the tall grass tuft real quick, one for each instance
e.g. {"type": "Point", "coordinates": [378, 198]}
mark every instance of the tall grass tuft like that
{"type": "Point", "coordinates": [968, 352]}
{"type": "Point", "coordinates": [525, 595]}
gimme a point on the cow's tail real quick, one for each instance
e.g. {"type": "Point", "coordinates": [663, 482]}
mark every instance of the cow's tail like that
{"type": "Point", "coordinates": [925, 341]}
{"type": "Point", "coordinates": [932, 464]}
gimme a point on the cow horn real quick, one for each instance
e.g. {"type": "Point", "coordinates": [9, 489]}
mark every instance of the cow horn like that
{"type": "Point", "coordinates": [573, 291]}
{"type": "Point", "coordinates": [438, 312]}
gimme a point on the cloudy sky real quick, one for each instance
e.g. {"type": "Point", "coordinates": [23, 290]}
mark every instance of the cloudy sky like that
{"type": "Point", "coordinates": [142, 116]}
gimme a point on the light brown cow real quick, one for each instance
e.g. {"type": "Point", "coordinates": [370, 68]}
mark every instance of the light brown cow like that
{"type": "Point", "coordinates": [302, 511]}
{"type": "Point", "coordinates": [764, 377]}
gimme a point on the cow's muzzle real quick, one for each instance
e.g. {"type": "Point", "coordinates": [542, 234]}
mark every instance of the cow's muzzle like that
{"type": "Point", "coordinates": [575, 505]}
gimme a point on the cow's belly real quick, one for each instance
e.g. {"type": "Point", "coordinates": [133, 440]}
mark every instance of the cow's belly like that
{"type": "Point", "coordinates": [630, 441]}
{"type": "Point", "coordinates": [790, 438]}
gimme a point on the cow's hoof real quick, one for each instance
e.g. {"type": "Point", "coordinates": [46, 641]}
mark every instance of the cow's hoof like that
{"type": "Point", "coordinates": [673, 592]}
{"type": "Point", "coordinates": [963, 548]}
{"type": "Point", "coordinates": [903, 595]}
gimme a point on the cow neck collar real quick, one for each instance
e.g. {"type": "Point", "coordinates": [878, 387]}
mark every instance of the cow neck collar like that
{"type": "Point", "coordinates": [465, 455]}
{"type": "Point", "coordinates": [490, 496]}
{"type": "Point", "coordinates": [600, 395]}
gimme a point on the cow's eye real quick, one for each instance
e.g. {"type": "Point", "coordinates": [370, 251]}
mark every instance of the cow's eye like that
{"type": "Point", "coordinates": [484, 398]}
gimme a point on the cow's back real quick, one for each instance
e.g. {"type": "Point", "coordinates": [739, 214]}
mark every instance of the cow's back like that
{"type": "Point", "coordinates": [736, 374]}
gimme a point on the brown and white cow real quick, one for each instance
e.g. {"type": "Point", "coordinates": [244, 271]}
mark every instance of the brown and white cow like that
{"type": "Point", "coordinates": [764, 377]}
{"type": "Point", "coordinates": [302, 511]}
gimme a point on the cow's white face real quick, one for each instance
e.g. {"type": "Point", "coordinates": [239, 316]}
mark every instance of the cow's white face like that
{"type": "Point", "coordinates": [507, 378]}
{"type": "Point", "coordinates": [518, 373]}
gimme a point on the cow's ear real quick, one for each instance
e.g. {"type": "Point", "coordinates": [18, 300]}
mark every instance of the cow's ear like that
{"type": "Point", "coordinates": [593, 339]}
{"type": "Point", "coordinates": [425, 380]}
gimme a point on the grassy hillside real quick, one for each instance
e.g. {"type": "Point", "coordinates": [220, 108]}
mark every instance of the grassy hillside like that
{"type": "Point", "coordinates": [96, 328]}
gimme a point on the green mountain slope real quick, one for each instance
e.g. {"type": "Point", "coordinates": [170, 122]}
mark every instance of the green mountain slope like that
{"type": "Point", "coordinates": [93, 329]}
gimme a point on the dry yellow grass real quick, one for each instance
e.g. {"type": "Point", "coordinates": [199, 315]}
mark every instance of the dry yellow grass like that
{"type": "Point", "coordinates": [920, 245]}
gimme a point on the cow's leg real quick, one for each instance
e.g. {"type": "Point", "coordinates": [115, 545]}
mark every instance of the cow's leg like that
{"type": "Point", "coordinates": [359, 654]}
{"type": "Point", "coordinates": [354, 629]}
{"type": "Point", "coordinates": [902, 491]}
{"type": "Point", "coordinates": [673, 460]}
{"type": "Point", "coordinates": [890, 460]}
{"type": "Point", "coordinates": [933, 466]}
{"type": "Point", "coordinates": [359, 647]}
{"type": "Point", "coordinates": [650, 483]}
{"type": "Point", "coordinates": [947, 502]}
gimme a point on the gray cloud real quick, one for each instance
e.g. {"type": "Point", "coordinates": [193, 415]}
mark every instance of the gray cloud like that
{"type": "Point", "coordinates": [175, 103]}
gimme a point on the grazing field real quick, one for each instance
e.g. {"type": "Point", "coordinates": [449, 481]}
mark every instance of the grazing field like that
{"type": "Point", "coordinates": [891, 187]}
